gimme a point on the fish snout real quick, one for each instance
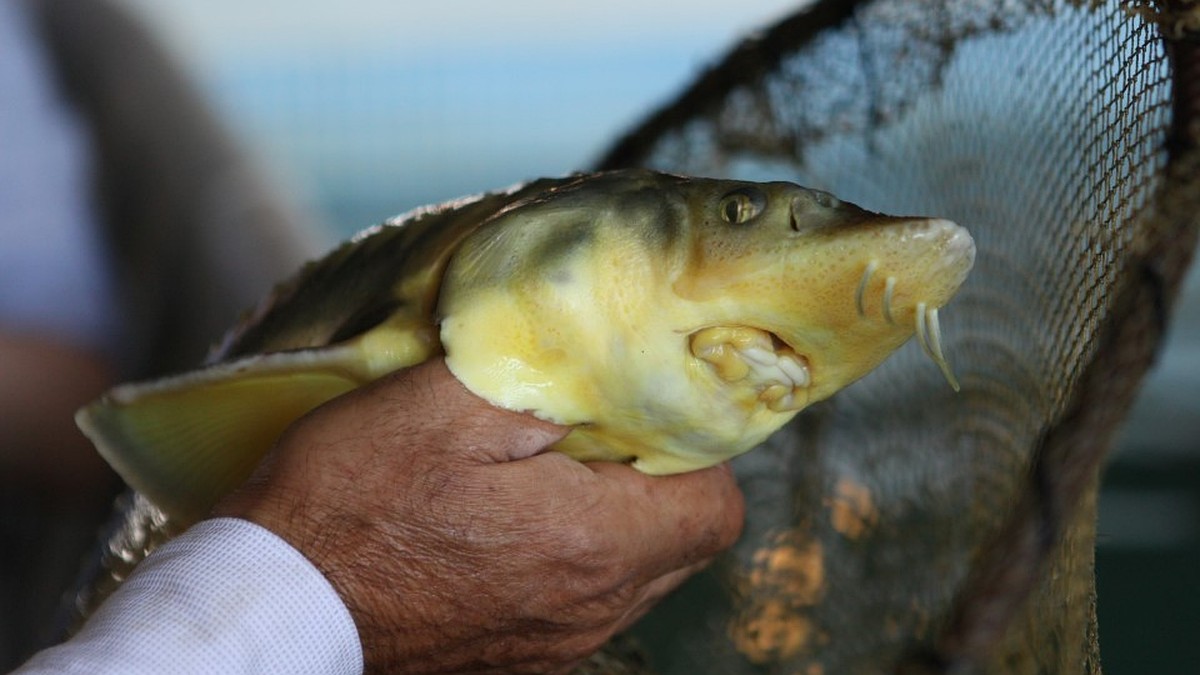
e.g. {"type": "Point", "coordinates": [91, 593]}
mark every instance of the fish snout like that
{"type": "Point", "coordinates": [941, 255]}
{"type": "Point", "coordinates": [959, 244]}
{"type": "Point", "coordinates": [920, 274]}
{"type": "Point", "coordinates": [921, 262]}
{"type": "Point", "coordinates": [954, 258]}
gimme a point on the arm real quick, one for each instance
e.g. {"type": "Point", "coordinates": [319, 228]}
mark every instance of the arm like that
{"type": "Point", "coordinates": [227, 596]}
{"type": "Point", "coordinates": [454, 543]}
{"type": "Point", "coordinates": [459, 545]}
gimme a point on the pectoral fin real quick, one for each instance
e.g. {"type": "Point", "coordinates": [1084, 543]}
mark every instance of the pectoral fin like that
{"type": "Point", "coordinates": [186, 441]}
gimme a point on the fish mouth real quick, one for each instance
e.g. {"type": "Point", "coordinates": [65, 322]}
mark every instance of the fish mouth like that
{"type": "Point", "coordinates": [757, 359]}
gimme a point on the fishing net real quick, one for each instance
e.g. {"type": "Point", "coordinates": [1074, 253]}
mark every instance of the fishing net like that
{"type": "Point", "coordinates": [901, 527]}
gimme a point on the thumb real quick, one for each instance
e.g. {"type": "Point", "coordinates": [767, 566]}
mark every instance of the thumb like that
{"type": "Point", "coordinates": [437, 409]}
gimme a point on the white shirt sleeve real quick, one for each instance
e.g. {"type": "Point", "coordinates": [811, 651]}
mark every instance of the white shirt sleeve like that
{"type": "Point", "coordinates": [227, 596]}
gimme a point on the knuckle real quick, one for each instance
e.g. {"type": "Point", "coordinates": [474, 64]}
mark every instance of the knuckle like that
{"type": "Point", "coordinates": [589, 547]}
{"type": "Point", "coordinates": [623, 597]}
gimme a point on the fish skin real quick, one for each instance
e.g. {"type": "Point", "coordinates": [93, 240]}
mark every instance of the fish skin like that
{"type": "Point", "coordinates": [396, 265]}
{"type": "Point", "coordinates": [579, 299]}
{"type": "Point", "coordinates": [576, 299]}
{"type": "Point", "coordinates": [593, 331]}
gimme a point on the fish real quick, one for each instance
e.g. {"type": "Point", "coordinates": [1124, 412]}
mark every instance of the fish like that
{"type": "Point", "coordinates": [672, 322]}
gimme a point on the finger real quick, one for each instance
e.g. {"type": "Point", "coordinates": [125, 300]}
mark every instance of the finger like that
{"type": "Point", "coordinates": [654, 591]}
{"type": "Point", "coordinates": [674, 521]}
{"type": "Point", "coordinates": [427, 400]}
{"type": "Point", "coordinates": [646, 598]}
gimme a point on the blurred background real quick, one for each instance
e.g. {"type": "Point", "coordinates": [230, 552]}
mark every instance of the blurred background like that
{"type": "Point", "coordinates": [367, 108]}
{"type": "Point", "coordinates": [362, 109]}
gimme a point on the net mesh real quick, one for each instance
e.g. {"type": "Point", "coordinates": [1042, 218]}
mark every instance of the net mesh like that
{"type": "Point", "coordinates": [901, 526]}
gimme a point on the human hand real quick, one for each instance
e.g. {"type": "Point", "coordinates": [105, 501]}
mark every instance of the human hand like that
{"type": "Point", "coordinates": [459, 546]}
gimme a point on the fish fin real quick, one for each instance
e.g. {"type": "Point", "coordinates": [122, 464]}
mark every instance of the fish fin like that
{"type": "Point", "coordinates": [186, 441]}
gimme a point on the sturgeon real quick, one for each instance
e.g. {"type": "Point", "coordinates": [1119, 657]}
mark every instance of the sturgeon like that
{"type": "Point", "coordinates": [674, 322]}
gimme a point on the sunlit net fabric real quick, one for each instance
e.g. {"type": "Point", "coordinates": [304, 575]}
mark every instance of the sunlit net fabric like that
{"type": "Point", "coordinates": [901, 525]}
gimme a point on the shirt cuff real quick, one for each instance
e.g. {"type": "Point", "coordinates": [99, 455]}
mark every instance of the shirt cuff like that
{"type": "Point", "coordinates": [227, 596]}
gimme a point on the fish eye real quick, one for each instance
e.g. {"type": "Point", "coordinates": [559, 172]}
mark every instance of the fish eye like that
{"type": "Point", "coordinates": [741, 205]}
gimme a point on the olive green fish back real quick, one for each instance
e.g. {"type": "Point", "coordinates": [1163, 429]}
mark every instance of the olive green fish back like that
{"type": "Point", "coordinates": [393, 269]}
{"type": "Point", "coordinates": [899, 527]}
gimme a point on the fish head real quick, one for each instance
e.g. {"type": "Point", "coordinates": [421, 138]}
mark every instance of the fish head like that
{"type": "Point", "coordinates": [678, 321]}
{"type": "Point", "coordinates": [795, 279]}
